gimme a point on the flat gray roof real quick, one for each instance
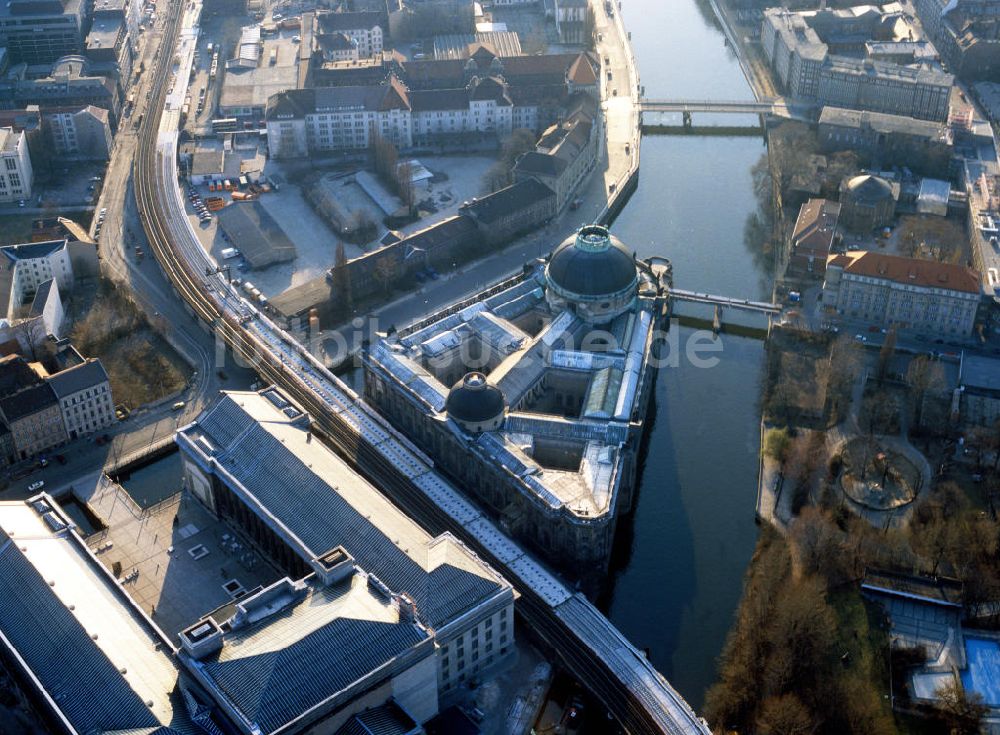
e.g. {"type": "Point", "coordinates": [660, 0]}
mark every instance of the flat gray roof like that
{"type": "Point", "coordinates": [259, 237]}
{"type": "Point", "coordinates": [981, 372]}
{"type": "Point", "coordinates": [101, 664]}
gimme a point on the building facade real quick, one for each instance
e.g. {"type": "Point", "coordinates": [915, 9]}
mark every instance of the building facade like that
{"type": "Point", "coordinates": [35, 420]}
{"type": "Point", "coordinates": [966, 32]}
{"type": "Point", "coordinates": [40, 32]}
{"type": "Point", "coordinates": [810, 69]}
{"type": "Point", "coordinates": [85, 400]}
{"type": "Point", "coordinates": [16, 174]}
{"type": "Point", "coordinates": [438, 101]}
{"type": "Point", "coordinates": [83, 133]}
{"type": "Point", "coordinates": [24, 268]}
{"type": "Point", "coordinates": [565, 153]}
{"type": "Point", "coordinates": [71, 83]}
{"type": "Point", "coordinates": [888, 290]}
{"type": "Point", "coordinates": [891, 140]}
{"type": "Point", "coordinates": [813, 236]}
{"type": "Point", "coordinates": [366, 29]}
{"type": "Point", "coordinates": [520, 207]}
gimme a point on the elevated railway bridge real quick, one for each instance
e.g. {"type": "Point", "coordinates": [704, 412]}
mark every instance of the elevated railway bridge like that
{"type": "Point", "coordinates": [593, 651]}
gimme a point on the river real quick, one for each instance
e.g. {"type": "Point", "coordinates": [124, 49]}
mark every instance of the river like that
{"type": "Point", "coordinates": [680, 558]}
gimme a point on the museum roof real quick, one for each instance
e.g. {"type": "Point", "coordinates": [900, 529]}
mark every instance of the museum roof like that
{"type": "Point", "coordinates": [260, 445]}
{"type": "Point", "coordinates": [98, 660]}
{"type": "Point", "coordinates": [307, 644]}
{"type": "Point", "coordinates": [591, 262]}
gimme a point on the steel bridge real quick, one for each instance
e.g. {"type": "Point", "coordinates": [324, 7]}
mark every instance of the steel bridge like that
{"type": "Point", "coordinates": [734, 107]}
{"type": "Point", "coordinates": [726, 302]}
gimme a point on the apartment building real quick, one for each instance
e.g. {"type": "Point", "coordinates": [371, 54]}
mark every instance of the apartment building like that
{"type": "Point", "coordinates": [72, 82]}
{"type": "Point", "coordinates": [84, 394]}
{"type": "Point", "coordinates": [814, 57]}
{"type": "Point", "coordinates": [82, 133]}
{"type": "Point", "coordinates": [565, 152]}
{"type": "Point", "coordinates": [42, 31]}
{"type": "Point", "coordinates": [24, 268]}
{"type": "Point", "coordinates": [16, 175]}
{"type": "Point", "coordinates": [366, 29]}
{"type": "Point", "coordinates": [966, 32]}
{"type": "Point", "coordinates": [813, 236]}
{"type": "Point", "coordinates": [35, 420]}
{"type": "Point", "coordinates": [886, 290]}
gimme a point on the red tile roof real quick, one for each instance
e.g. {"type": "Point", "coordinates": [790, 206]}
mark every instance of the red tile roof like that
{"type": "Point", "coordinates": [913, 271]}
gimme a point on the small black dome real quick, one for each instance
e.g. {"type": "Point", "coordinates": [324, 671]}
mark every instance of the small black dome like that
{"type": "Point", "coordinates": [474, 401]}
{"type": "Point", "coordinates": [591, 263]}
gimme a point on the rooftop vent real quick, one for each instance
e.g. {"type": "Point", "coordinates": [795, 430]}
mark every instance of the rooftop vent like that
{"type": "Point", "coordinates": [201, 639]}
{"type": "Point", "coordinates": [333, 566]}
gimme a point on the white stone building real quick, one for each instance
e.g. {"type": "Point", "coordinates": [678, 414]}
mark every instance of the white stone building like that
{"type": "Point", "coordinates": [364, 28]}
{"type": "Point", "coordinates": [16, 175]}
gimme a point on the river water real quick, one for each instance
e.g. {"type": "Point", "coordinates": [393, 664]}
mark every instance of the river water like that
{"type": "Point", "coordinates": [681, 557]}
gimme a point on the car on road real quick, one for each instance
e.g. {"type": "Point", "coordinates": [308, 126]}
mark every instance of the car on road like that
{"type": "Point", "coordinates": [43, 462]}
{"type": "Point", "coordinates": [61, 458]}
{"type": "Point", "coordinates": [36, 486]}
{"type": "Point", "coordinates": [179, 405]}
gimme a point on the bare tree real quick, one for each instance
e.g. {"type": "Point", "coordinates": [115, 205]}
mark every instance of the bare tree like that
{"type": "Point", "coordinates": [960, 713]}
{"type": "Point", "coordinates": [886, 353]}
{"type": "Point", "coordinates": [785, 715]}
{"type": "Point", "coordinates": [30, 334]}
{"type": "Point", "coordinates": [924, 376]}
{"type": "Point", "coordinates": [386, 271]}
{"type": "Point", "coordinates": [404, 184]}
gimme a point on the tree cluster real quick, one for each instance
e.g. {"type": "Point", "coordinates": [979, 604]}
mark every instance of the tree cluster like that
{"type": "Point", "coordinates": [395, 175]}
{"type": "Point", "coordinates": [501, 173]}
{"type": "Point", "coordinates": [793, 663]}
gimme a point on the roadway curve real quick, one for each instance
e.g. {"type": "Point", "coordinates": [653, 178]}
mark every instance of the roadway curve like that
{"type": "Point", "coordinates": [590, 647]}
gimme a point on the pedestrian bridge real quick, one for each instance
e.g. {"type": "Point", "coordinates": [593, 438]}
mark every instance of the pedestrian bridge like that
{"type": "Point", "coordinates": [765, 107]}
{"type": "Point", "coordinates": [763, 307]}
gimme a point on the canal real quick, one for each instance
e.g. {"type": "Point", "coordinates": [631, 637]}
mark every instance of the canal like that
{"type": "Point", "coordinates": [680, 559]}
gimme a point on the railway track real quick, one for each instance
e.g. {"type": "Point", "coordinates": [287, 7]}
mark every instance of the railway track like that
{"type": "Point", "coordinates": [336, 424]}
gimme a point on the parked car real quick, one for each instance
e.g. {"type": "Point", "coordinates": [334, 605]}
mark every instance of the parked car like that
{"type": "Point", "coordinates": [36, 486]}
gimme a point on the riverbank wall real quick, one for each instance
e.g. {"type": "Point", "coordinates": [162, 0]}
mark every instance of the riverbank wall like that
{"type": "Point", "coordinates": [621, 190]}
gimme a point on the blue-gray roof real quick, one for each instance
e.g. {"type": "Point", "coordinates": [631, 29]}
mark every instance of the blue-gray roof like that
{"type": "Point", "coordinates": [89, 374]}
{"type": "Point", "coordinates": [72, 668]}
{"type": "Point", "coordinates": [387, 719]}
{"type": "Point", "coordinates": [283, 666]}
{"type": "Point", "coordinates": [30, 250]}
{"type": "Point", "coordinates": [441, 576]}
